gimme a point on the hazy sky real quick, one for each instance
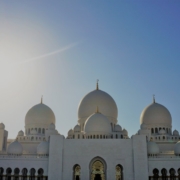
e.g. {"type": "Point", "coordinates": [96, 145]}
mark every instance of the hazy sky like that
{"type": "Point", "coordinates": [59, 48]}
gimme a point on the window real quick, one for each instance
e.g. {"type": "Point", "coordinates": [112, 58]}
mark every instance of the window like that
{"type": "Point", "coordinates": [8, 172]}
{"type": "Point", "coordinates": [24, 174]}
{"type": "Point", "coordinates": [16, 173]}
{"type": "Point", "coordinates": [32, 174]}
{"type": "Point", "coordinates": [172, 173]}
{"type": "Point", "coordinates": [155, 174]}
{"type": "Point", "coordinates": [119, 172]}
{"type": "Point", "coordinates": [40, 174]}
{"type": "Point", "coordinates": [39, 130]}
{"type": "Point", "coordinates": [1, 173]}
{"type": "Point", "coordinates": [164, 174]}
{"type": "Point", "coordinates": [76, 172]}
{"type": "Point", "coordinates": [167, 130]}
{"type": "Point", "coordinates": [156, 130]}
{"type": "Point", "coordinates": [152, 130]}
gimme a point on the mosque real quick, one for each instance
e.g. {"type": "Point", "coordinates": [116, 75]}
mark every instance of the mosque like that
{"type": "Point", "coordinates": [96, 149]}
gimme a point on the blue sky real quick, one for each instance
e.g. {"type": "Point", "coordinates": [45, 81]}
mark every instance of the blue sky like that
{"type": "Point", "coordinates": [132, 47]}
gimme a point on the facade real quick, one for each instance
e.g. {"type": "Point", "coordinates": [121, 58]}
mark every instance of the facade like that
{"type": "Point", "coordinates": [96, 149]}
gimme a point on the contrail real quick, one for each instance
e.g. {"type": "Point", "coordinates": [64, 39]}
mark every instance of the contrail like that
{"type": "Point", "coordinates": [48, 54]}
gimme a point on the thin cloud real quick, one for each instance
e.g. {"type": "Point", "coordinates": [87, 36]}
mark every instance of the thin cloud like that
{"type": "Point", "coordinates": [49, 54]}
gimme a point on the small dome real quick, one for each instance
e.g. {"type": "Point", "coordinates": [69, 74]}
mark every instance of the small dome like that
{"type": "Point", "coordinates": [152, 148]}
{"type": "Point", "coordinates": [15, 148]}
{"type": "Point", "coordinates": [175, 133]}
{"type": "Point", "coordinates": [40, 115]}
{"type": "Point", "coordinates": [77, 128]}
{"type": "Point", "coordinates": [33, 131]}
{"type": "Point", "coordinates": [52, 126]}
{"type": "Point", "coordinates": [70, 132]}
{"type": "Point", "coordinates": [97, 123]}
{"type": "Point", "coordinates": [162, 132]}
{"type": "Point", "coordinates": [156, 114]}
{"type": "Point", "coordinates": [21, 133]}
{"type": "Point", "coordinates": [118, 128]}
{"type": "Point", "coordinates": [125, 132]}
{"type": "Point", "coordinates": [98, 98]}
{"type": "Point", "coordinates": [2, 126]}
{"type": "Point", "coordinates": [43, 148]}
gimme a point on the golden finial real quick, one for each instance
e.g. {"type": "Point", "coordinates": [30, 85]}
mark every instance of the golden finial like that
{"type": "Point", "coordinates": [97, 85]}
{"type": "Point", "coordinates": [154, 100]}
{"type": "Point", "coordinates": [97, 110]}
{"type": "Point", "coordinates": [41, 99]}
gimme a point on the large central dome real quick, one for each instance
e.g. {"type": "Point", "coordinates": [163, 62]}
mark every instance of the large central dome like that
{"type": "Point", "coordinates": [99, 98]}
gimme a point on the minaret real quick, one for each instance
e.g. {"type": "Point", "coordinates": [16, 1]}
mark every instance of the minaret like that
{"type": "Point", "coordinates": [154, 100]}
{"type": "Point", "coordinates": [3, 137]}
{"type": "Point", "coordinates": [97, 85]}
{"type": "Point", "coordinates": [41, 99]}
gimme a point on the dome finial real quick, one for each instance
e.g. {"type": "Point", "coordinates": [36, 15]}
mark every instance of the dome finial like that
{"type": "Point", "coordinates": [154, 100]}
{"type": "Point", "coordinates": [97, 109]}
{"type": "Point", "coordinates": [97, 85]}
{"type": "Point", "coordinates": [41, 99]}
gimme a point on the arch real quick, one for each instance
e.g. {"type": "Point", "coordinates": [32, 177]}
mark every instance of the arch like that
{"type": "Point", "coordinates": [76, 172]}
{"type": "Point", "coordinates": [178, 171]}
{"type": "Point", "coordinates": [152, 131]}
{"type": "Point", "coordinates": [40, 174]}
{"type": "Point", "coordinates": [8, 173]}
{"type": "Point", "coordinates": [172, 173]}
{"type": "Point", "coordinates": [1, 173]}
{"type": "Point", "coordinates": [116, 136]}
{"type": "Point", "coordinates": [164, 174]}
{"type": "Point", "coordinates": [16, 173]}
{"type": "Point", "coordinates": [156, 130]}
{"type": "Point", "coordinates": [155, 174]}
{"type": "Point", "coordinates": [32, 174]}
{"type": "Point", "coordinates": [121, 136]}
{"type": "Point", "coordinates": [97, 168]}
{"type": "Point", "coordinates": [24, 174]}
{"type": "Point", "coordinates": [163, 137]}
{"type": "Point", "coordinates": [39, 130]}
{"type": "Point", "coordinates": [78, 136]}
{"type": "Point", "coordinates": [119, 172]}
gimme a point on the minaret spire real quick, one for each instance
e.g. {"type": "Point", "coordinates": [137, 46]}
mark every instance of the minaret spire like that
{"type": "Point", "coordinates": [41, 99]}
{"type": "Point", "coordinates": [97, 84]}
{"type": "Point", "coordinates": [154, 100]}
{"type": "Point", "coordinates": [97, 110]}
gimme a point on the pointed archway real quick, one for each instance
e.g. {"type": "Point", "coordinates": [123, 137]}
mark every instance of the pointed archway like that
{"type": "Point", "coordinates": [97, 169]}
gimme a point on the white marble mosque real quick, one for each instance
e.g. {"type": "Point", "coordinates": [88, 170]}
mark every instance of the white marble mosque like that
{"type": "Point", "coordinates": [96, 149]}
